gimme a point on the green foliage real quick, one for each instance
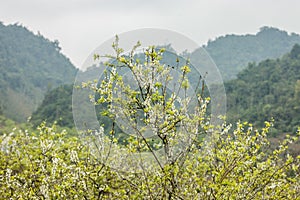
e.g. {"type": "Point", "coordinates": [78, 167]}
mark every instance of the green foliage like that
{"type": "Point", "coordinates": [30, 65]}
{"type": "Point", "coordinates": [155, 103]}
{"type": "Point", "coordinates": [267, 90]}
{"type": "Point", "coordinates": [295, 51]}
{"type": "Point", "coordinates": [6, 125]}
{"type": "Point", "coordinates": [232, 53]}
{"type": "Point", "coordinates": [56, 106]}
{"type": "Point", "coordinates": [53, 166]}
{"type": "Point", "coordinates": [233, 164]}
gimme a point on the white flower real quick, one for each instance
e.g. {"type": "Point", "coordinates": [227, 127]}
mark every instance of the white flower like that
{"type": "Point", "coordinates": [74, 156]}
{"type": "Point", "coordinates": [8, 175]}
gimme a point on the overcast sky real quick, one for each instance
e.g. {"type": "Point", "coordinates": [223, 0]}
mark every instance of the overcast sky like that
{"type": "Point", "coordinates": [82, 25]}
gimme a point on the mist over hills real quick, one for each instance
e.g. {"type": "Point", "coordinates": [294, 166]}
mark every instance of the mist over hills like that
{"type": "Point", "coordinates": [30, 65]}
{"type": "Point", "coordinates": [232, 53]}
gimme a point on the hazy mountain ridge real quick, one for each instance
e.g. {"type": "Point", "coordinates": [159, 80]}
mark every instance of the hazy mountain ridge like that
{"type": "Point", "coordinates": [232, 53]}
{"type": "Point", "coordinates": [30, 65]}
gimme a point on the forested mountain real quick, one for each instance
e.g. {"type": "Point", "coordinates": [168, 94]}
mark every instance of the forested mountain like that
{"type": "Point", "coordinates": [30, 65]}
{"type": "Point", "coordinates": [232, 53]}
{"type": "Point", "coordinates": [270, 89]}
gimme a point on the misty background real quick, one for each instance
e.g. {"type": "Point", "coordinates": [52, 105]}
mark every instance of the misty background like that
{"type": "Point", "coordinates": [80, 26]}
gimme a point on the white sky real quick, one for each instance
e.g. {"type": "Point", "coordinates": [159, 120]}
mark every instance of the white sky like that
{"type": "Point", "coordinates": [82, 25]}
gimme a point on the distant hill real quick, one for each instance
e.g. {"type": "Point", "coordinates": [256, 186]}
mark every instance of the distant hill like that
{"type": "Point", "coordinates": [232, 53]}
{"type": "Point", "coordinates": [270, 89]}
{"type": "Point", "coordinates": [30, 65]}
